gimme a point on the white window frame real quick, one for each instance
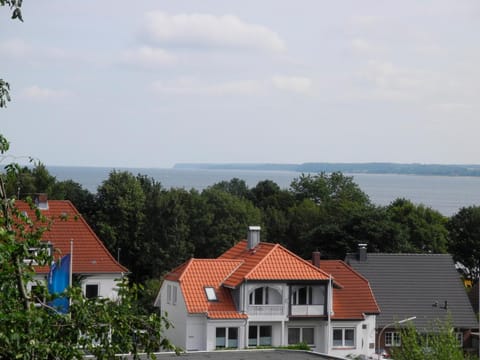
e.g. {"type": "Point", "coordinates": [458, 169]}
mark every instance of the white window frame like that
{"type": "Point", "coordinates": [258, 341]}
{"type": "Point", "coordinates": [459, 337]}
{"type": "Point", "coordinates": [393, 339]}
{"type": "Point", "coordinates": [92, 283]}
{"type": "Point", "coordinates": [301, 329]}
{"type": "Point", "coordinates": [308, 295]}
{"type": "Point", "coordinates": [174, 295]}
{"type": "Point", "coordinates": [210, 293]}
{"type": "Point", "coordinates": [169, 294]}
{"type": "Point", "coordinates": [344, 330]}
{"type": "Point", "coordinates": [227, 337]}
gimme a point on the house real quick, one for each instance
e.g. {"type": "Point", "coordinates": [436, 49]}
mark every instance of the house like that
{"type": "Point", "coordinates": [424, 286]}
{"type": "Point", "coordinates": [92, 264]}
{"type": "Point", "coordinates": [259, 294]}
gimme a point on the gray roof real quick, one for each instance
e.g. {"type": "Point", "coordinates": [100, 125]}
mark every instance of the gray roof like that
{"type": "Point", "coordinates": [408, 285]}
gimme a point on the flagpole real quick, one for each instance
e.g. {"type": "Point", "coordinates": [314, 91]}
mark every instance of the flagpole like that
{"type": "Point", "coordinates": [71, 263]}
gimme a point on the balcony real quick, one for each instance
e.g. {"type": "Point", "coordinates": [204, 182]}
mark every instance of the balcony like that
{"type": "Point", "coordinates": [307, 310]}
{"type": "Point", "coordinates": [265, 310]}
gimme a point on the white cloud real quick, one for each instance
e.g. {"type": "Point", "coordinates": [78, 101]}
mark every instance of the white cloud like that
{"type": "Point", "coordinates": [292, 83]}
{"type": "Point", "coordinates": [193, 30]}
{"type": "Point", "coordinates": [148, 56]}
{"type": "Point", "coordinates": [38, 93]}
{"type": "Point", "coordinates": [15, 48]}
{"type": "Point", "coordinates": [189, 86]}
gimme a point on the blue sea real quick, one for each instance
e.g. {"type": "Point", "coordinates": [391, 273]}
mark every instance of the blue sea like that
{"type": "Point", "coordinates": [447, 194]}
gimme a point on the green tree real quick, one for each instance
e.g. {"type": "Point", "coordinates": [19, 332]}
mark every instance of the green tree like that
{"type": "Point", "coordinates": [120, 218]}
{"type": "Point", "coordinates": [464, 244]}
{"type": "Point", "coordinates": [424, 228]}
{"type": "Point", "coordinates": [101, 327]}
{"type": "Point", "coordinates": [439, 343]}
{"type": "Point", "coordinates": [224, 222]}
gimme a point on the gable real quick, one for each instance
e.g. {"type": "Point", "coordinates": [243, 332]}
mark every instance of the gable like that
{"type": "Point", "coordinates": [90, 256]}
{"type": "Point", "coordinates": [355, 298]}
{"type": "Point", "coordinates": [269, 262]}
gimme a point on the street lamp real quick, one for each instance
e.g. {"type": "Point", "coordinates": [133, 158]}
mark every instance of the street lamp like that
{"type": "Point", "coordinates": [389, 325]}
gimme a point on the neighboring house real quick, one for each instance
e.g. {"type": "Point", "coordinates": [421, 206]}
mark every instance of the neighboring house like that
{"type": "Point", "coordinates": [92, 264]}
{"type": "Point", "coordinates": [260, 294]}
{"type": "Point", "coordinates": [425, 286]}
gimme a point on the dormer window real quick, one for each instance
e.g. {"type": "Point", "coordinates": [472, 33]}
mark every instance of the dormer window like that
{"type": "Point", "coordinates": [211, 295]}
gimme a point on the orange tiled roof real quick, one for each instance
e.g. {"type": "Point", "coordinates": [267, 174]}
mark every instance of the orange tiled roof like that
{"type": "Point", "coordinates": [269, 262]}
{"type": "Point", "coordinates": [356, 297]}
{"type": "Point", "coordinates": [196, 274]}
{"type": "Point", "coordinates": [90, 256]}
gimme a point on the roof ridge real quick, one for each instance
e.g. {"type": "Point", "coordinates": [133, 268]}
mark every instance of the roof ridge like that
{"type": "Point", "coordinates": [306, 262]}
{"type": "Point", "coordinates": [262, 260]}
{"type": "Point", "coordinates": [240, 263]}
{"type": "Point", "coordinates": [187, 266]}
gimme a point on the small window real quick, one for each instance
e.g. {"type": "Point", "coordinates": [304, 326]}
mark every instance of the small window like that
{"type": "Point", "coordinates": [459, 337]}
{"type": "Point", "coordinates": [344, 337]}
{"type": "Point", "coordinates": [169, 294]}
{"type": "Point", "coordinates": [91, 291]}
{"type": "Point", "coordinates": [300, 335]}
{"type": "Point", "coordinates": [174, 295]}
{"type": "Point", "coordinates": [393, 339]}
{"type": "Point", "coordinates": [211, 295]}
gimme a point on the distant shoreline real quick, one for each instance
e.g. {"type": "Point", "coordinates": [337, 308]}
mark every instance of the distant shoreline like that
{"type": "Point", "coordinates": [351, 168]}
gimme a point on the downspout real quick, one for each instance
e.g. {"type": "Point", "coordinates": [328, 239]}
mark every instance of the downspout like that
{"type": "Point", "coordinates": [329, 313]}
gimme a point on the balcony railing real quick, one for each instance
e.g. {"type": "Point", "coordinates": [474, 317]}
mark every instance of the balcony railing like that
{"type": "Point", "coordinates": [267, 310]}
{"type": "Point", "coordinates": [308, 310]}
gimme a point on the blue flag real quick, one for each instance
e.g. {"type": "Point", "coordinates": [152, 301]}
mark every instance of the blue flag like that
{"type": "Point", "coordinates": [58, 282]}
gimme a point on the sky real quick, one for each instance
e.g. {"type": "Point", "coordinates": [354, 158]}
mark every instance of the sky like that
{"type": "Point", "coordinates": [154, 83]}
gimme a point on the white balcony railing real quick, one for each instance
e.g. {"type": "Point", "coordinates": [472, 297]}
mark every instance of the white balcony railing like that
{"type": "Point", "coordinates": [268, 310]}
{"type": "Point", "coordinates": [308, 310]}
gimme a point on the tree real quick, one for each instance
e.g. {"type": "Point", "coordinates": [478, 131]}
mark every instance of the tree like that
{"type": "Point", "coordinates": [439, 343]}
{"type": "Point", "coordinates": [120, 218]}
{"type": "Point", "coordinates": [101, 327]}
{"type": "Point", "coordinates": [464, 244]}
{"type": "Point", "coordinates": [226, 219]}
{"type": "Point", "coordinates": [423, 228]}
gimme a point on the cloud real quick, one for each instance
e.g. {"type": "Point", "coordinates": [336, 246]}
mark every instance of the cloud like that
{"type": "Point", "coordinates": [148, 56]}
{"type": "Point", "coordinates": [189, 86]}
{"type": "Point", "coordinates": [292, 83]}
{"type": "Point", "coordinates": [15, 48]}
{"type": "Point", "coordinates": [205, 30]}
{"type": "Point", "coordinates": [37, 93]}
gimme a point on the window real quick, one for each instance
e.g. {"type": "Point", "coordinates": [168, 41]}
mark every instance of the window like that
{"type": "Point", "coordinates": [343, 337]}
{"type": "Point", "coordinates": [171, 294]}
{"type": "Point", "coordinates": [226, 337]}
{"type": "Point", "coordinates": [459, 337]}
{"type": "Point", "coordinates": [91, 291]}
{"type": "Point", "coordinates": [392, 338]}
{"type": "Point", "coordinates": [302, 296]}
{"type": "Point", "coordinates": [259, 335]}
{"type": "Point", "coordinates": [265, 296]}
{"type": "Point", "coordinates": [35, 252]}
{"type": "Point", "coordinates": [300, 335]}
{"type": "Point", "coordinates": [211, 295]}
{"type": "Point", "coordinates": [174, 295]}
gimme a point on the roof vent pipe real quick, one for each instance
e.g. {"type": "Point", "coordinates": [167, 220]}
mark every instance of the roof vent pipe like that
{"type": "Point", "coordinates": [253, 237]}
{"type": "Point", "coordinates": [362, 252]}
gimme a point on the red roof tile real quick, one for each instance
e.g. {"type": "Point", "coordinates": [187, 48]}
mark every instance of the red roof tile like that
{"type": "Point", "coordinates": [355, 298]}
{"type": "Point", "coordinates": [269, 262]}
{"type": "Point", "coordinates": [90, 256]}
{"type": "Point", "coordinates": [195, 275]}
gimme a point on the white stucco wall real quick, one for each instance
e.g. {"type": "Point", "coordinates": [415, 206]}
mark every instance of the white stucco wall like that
{"type": "Point", "coordinates": [176, 313]}
{"type": "Point", "coordinates": [364, 337]}
{"type": "Point", "coordinates": [107, 283]}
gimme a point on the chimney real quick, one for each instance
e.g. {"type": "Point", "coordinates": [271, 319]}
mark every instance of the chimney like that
{"type": "Point", "coordinates": [316, 258]}
{"type": "Point", "coordinates": [253, 237]}
{"type": "Point", "coordinates": [362, 252]}
{"type": "Point", "coordinates": [41, 201]}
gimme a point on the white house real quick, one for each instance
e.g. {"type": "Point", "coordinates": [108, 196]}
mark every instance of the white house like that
{"type": "Point", "coordinates": [69, 233]}
{"type": "Point", "coordinates": [261, 294]}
